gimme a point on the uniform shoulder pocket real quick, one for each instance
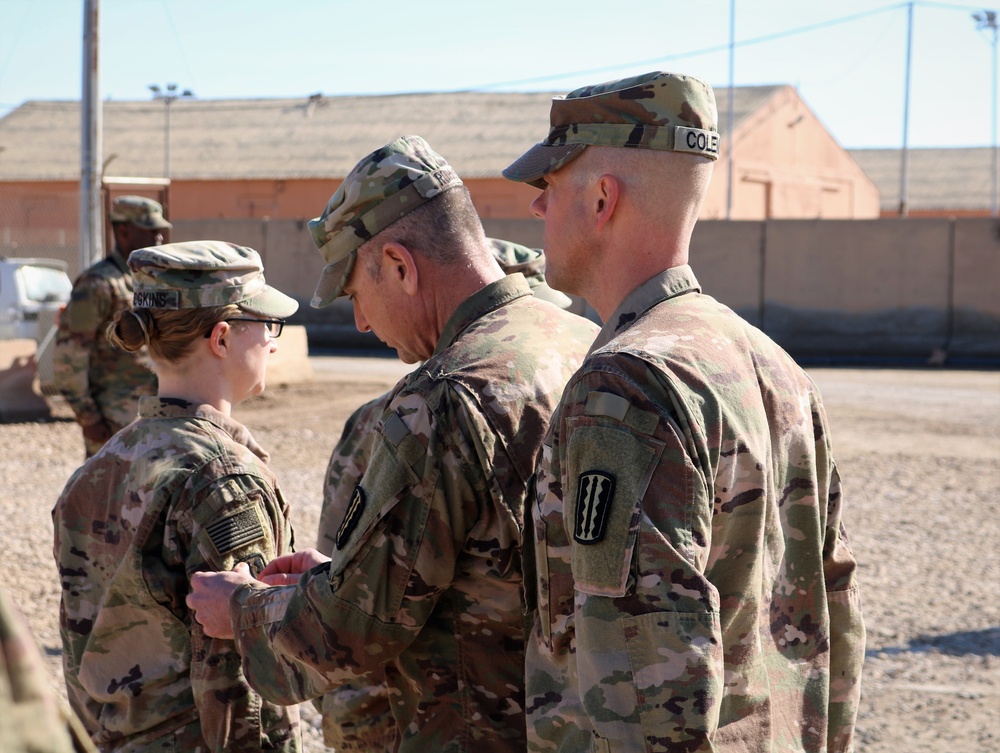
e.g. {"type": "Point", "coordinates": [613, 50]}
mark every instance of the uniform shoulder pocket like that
{"type": "Point", "coordinates": [608, 467]}
{"type": "Point", "coordinates": [387, 480]}
{"type": "Point", "coordinates": [238, 531]}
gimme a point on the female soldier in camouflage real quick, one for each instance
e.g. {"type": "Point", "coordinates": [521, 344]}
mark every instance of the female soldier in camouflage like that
{"type": "Point", "coordinates": [182, 489]}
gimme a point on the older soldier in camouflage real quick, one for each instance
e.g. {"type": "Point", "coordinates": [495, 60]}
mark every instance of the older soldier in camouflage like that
{"type": "Point", "coordinates": [102, 383]}
{"type": "Point", "coordinates": [31, 718]}
{"type": "Point", "coordinates": [357, 716]}
{"type": "Point", "coordinates": [425, 579]}
{"type": "Point", "coordinates": [182, 489]}
{"type": "Point", "coordinates": [693, 585]}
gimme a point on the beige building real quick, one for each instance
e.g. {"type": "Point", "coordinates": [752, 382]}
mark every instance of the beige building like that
{"type": "Point", "coordinates": [283, 158]}
{"type": "Point", "coordinates": [941, 182]}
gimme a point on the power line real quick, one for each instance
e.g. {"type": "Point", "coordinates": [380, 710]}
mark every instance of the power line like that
{"type": "Point", "coordinates": [697, 53]}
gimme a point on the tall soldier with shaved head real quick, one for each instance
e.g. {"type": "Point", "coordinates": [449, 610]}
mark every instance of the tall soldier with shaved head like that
{"type": "Point", "coordinates": [425, 579]}
{"type": "Point", "coordinates": [693, 587]}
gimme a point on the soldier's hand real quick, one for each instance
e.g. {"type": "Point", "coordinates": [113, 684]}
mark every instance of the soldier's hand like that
{"type": "Point", "coordinates": [285, 570]}
{"type": "Point", "coordinates": [98, 432]}
{"type": "Point", "coordinates": [209, 599]}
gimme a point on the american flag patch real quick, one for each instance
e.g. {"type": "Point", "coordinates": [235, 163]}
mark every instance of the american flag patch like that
{"type": "Point", "coordinates": [235, 531]}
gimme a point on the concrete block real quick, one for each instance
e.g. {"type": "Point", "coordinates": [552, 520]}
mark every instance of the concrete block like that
{"type": "Point", "coordinates": [290, 365]}
{"type": "Point", "coordinates": [20, 395]}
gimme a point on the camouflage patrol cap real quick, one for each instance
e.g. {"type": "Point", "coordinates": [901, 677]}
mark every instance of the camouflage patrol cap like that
{"type": "Point", "coordinates": [200, 274]}
{"type": "Point", "coordinates": [663, 111]}
{"type": "Point", "coordinates": [138, 211]}
{"type": "Point", "coordinates": [384, 186]}
{"type": "Point", "coordinates": [530, 262]}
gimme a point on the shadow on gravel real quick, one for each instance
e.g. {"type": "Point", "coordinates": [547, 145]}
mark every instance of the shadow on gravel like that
{"type": "Point", "coordinates": [977, 642]}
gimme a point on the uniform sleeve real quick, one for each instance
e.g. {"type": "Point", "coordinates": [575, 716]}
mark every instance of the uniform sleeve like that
{"type": "Point", "coordinates": [394, 554]}
{"type": "Point", "coordinates": [356, 716]}
{"type": "Point", "coordinates": [237, 519]}
{"type": "Point", "coordinates": [347, 465]}
{"type": "Point", "coordinates": [847, 629]}
{"type": "Point", "coordinates": [30, 715]}
{"type": "Point", "coordinates": [89, 307]}
{"type": "Point", "coordinates": [647, 618]}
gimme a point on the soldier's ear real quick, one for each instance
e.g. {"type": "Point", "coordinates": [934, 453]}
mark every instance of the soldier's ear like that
{"type": "Point", "coordinates": [399, 264]}
{"type": "Point", "coordinates": [606, 199]}
{"type": "Point", "coordinates": [218, 339]}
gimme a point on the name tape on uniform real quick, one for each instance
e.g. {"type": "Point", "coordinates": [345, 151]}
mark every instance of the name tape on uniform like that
{"type": "Point", "coordinates": [156, 299]}
{"type": "Point", "coordinates": [696, 141]}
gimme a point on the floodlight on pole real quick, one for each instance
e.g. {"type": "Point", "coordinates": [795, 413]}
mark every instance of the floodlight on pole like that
{"type": "Point", "coordinates": [987, 19]}
{"type": "Point", "coordinates": [168, 94]}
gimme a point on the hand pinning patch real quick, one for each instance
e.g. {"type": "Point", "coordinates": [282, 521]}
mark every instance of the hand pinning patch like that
{"type": "Point", "coordinates": [235, 531]}
{"type": "Point", "coordinates": [255, 562]}
{"type": "Point", "coordinates": [595, 492]}
{"type": "Point", "coordinates": [351, 517]}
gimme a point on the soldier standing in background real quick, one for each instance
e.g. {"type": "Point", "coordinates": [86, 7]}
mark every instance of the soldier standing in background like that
{"type": "Point", "coordinates": [183, 488]}
{"type": "Point", "coordinates": [694, 587]}
{"type": "Point", "coordinates": [357, 716]}
{"type": "Point", "coordinates": [425, 579]}
{"type": "Point", "coordinates": [103, 383]}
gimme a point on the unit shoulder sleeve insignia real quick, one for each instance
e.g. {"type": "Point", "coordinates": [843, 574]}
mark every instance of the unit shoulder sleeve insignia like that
{"type": "Point", "coordinates": [351, 517]}
{"type": "Point", "coordinates": [595, 494]}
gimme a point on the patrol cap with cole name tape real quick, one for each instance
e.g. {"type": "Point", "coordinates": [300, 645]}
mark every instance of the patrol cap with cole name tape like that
{"type": "Point", "coordinates": [139, 211]}
{"type": "Point", "coordinates": [384, 186]}
{"type": "Point", "coordinates": [200, 274]}
{"type": "Point", "coordinates": [661, 111]}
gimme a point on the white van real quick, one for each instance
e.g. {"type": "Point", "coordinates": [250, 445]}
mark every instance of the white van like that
{"type": "Point", "coordinates": [32, 293]}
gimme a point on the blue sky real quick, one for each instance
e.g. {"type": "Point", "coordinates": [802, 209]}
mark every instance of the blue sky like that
{"type": "Point", "coordinates": [847, 59]}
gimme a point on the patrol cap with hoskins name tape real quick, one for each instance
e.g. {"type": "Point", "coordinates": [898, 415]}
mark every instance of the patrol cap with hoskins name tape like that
{"type": "Point", "coordinates": [662, 111]}
{"type": "Point", "coordinates": [139, 211]}
{"type": "Point", "coordinates": [201, 274]}
{"type": "Point", "coordinates": [384, 186]}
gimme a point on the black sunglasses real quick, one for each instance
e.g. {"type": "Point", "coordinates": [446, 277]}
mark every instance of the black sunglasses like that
{"type": "Point", "coordinates": [273, 326]}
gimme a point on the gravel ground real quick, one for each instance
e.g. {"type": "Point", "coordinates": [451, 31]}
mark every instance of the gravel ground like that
{"type": "Point", "coordinates": [919, 451]}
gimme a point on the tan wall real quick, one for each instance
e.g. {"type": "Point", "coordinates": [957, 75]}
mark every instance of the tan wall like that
{"type": "Point", "coordinates": [728, 258]}
{"type": "Point", "coordinates": [250, 199]}
{"type": "Point", "coordinates": [890, 288]}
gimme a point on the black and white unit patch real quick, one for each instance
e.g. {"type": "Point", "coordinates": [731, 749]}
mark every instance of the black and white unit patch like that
{"type": "Point", "coordinates": [351, 517]}
{"type": "Point", "coordinates": [235, 531]}
{"type": "Point", "coordinates": [595, 493]}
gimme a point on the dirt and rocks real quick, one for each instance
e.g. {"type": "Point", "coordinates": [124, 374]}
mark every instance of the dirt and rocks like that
{"type": "Point", "coordinates": [919, 451]}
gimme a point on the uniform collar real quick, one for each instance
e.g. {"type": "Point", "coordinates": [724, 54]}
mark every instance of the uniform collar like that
{"type": "Point", "coordinates": [669, 283]}
{"type": "Point", "coordinates": [173, 407]}
{"type": "Point", "coordinates": [480, 303]}
{"type": "Point", "coordinates": [119, 260]}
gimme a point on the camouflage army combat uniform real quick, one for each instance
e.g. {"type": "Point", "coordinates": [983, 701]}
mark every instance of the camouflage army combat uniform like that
{"type": "Point", "coordinates": [31, 719]}
{"type": "Point", "coordinates": [356, 715]}
{"type": "Point", "coordinates": [426, 575]}
{"type": "Point", "coordinates": [694, 580]}
{"type": "Point", "coordinates": [98, 380]}
{"type": "Point", "coordinates": [183, 489]}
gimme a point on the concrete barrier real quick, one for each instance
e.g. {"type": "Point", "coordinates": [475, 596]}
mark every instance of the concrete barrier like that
{"type": "Point", "coordinates": [20, 396]}
{"type": "Point", "coordinates": [975, 323]}
{"type": "Point", "coordinates": [728, 260]}
{"type": "Point", "coordinates": [290, 365]}
{"type": "Point", "coordinates": [862, 288]}
{"type": "Point", "coordinates": [914, 289]}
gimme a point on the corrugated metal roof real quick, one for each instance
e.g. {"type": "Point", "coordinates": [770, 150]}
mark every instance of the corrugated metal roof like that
{"type": "Point", "coordinates": [938, 179]}
{"type": "Point", "coordinates": [322, 137]}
